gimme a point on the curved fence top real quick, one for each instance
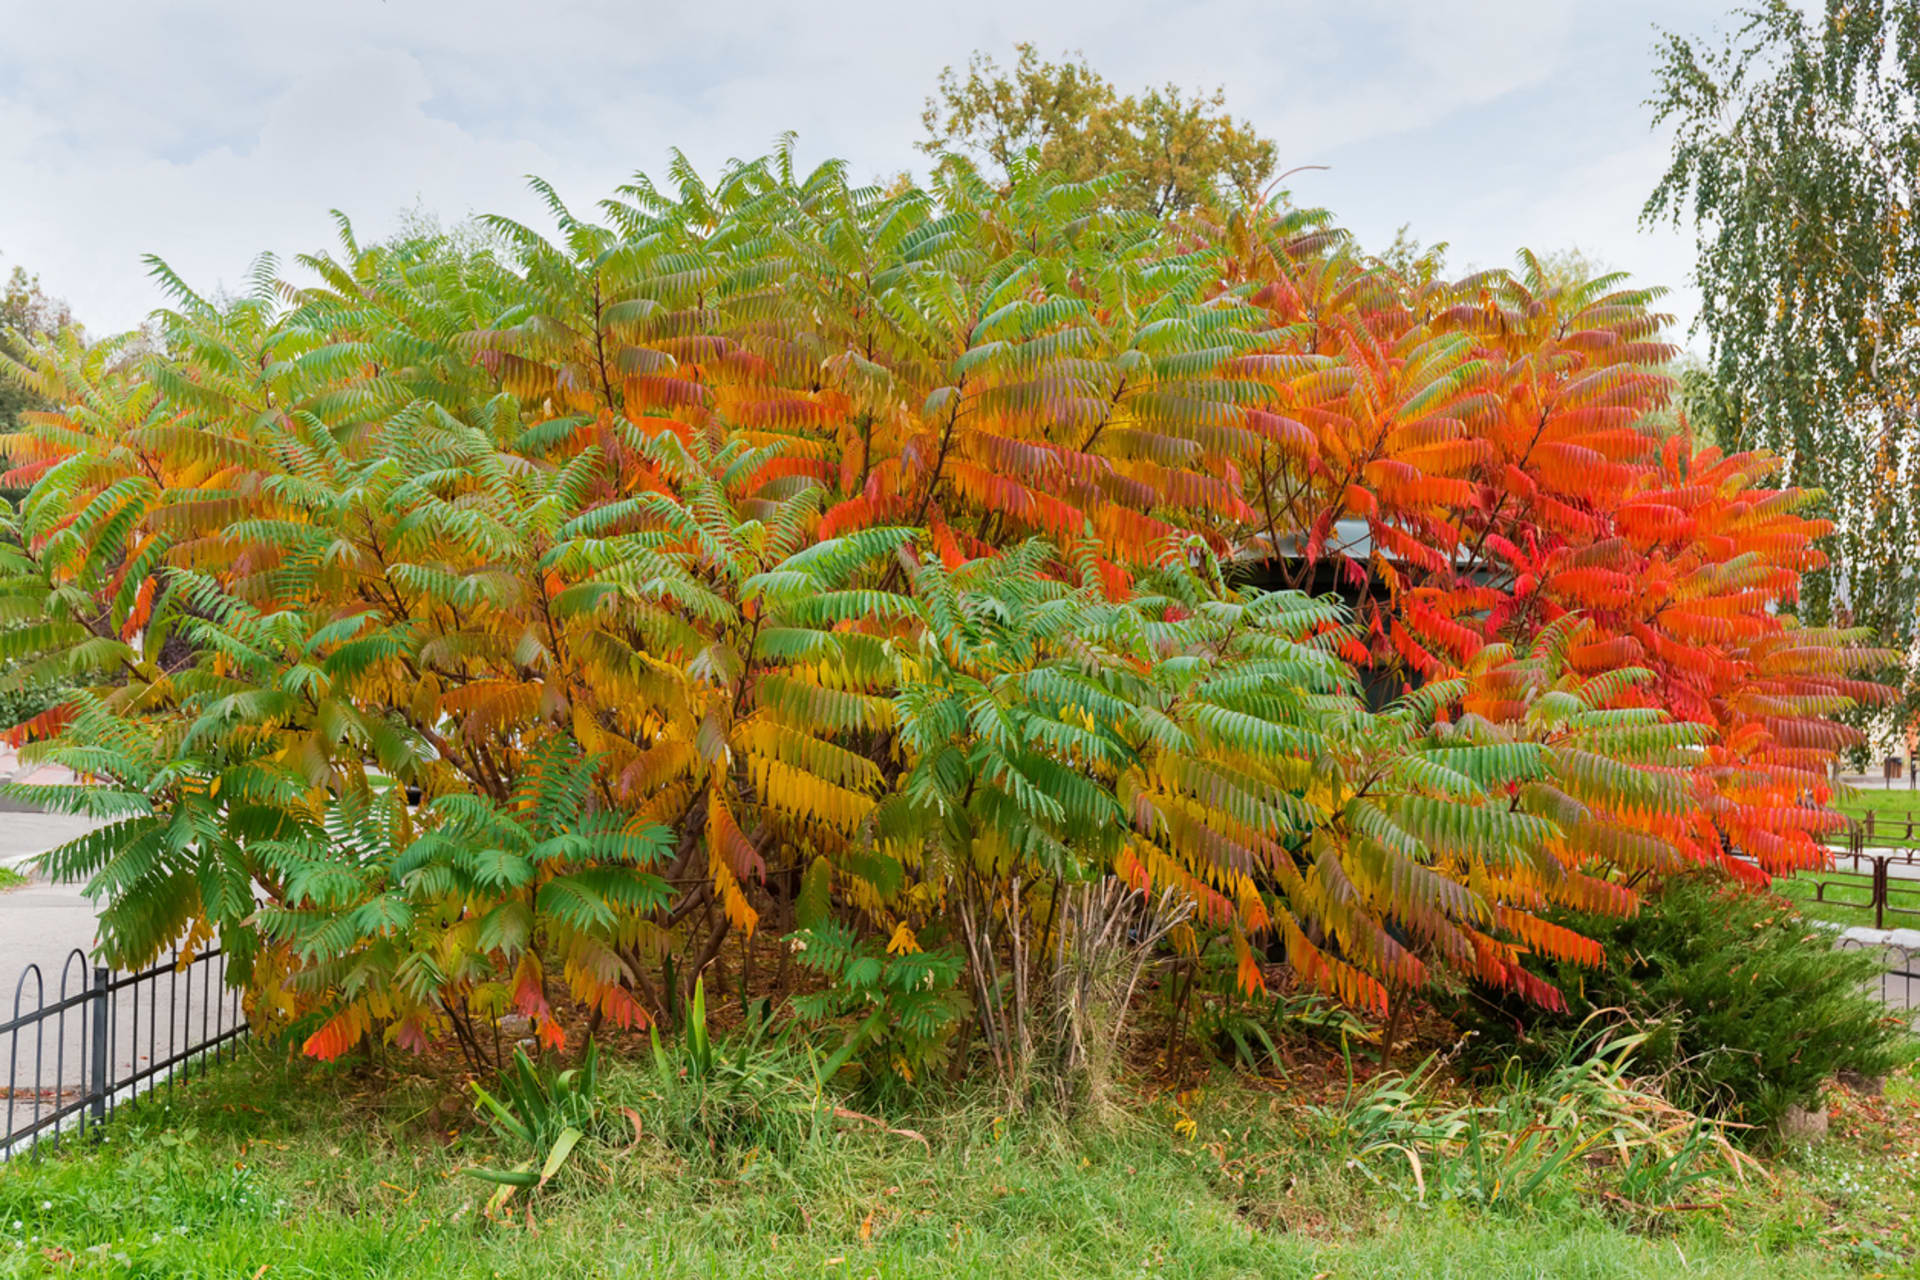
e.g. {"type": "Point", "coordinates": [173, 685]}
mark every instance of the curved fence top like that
{"type": "Point", "coordinates": [72, 1051]}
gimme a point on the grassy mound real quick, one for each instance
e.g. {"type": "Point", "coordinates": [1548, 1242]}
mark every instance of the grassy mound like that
{"type": "Point", "coordinates": [265, 1169]}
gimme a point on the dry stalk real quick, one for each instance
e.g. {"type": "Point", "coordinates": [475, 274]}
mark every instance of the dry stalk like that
{"type": "Point", "coordinates": [1108, 934]}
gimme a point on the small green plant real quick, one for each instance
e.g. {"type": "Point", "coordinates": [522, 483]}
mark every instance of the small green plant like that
{"type": "Point", "coordinates": [545, 1113]}
{"type": "Point", "coordinates": [1236, 1034]}
{"type": "Point", "coordinates": [758, 1090]}
{"type": "Point", "coordinates": [1246, 1032]}
{"type": "Point", "coordinates": [1653, 1178]}
{"type": "Point", "coordinates": [908, 1003]}
{"type": "Point", "coordinates": [1392, 1114]}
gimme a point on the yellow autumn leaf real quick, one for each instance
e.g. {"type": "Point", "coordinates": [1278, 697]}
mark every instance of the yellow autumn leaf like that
{"type": "Point", "coordinates": [1324, 799]}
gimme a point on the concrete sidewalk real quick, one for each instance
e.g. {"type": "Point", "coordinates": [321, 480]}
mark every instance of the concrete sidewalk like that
{"type": "Point", "coordinates": [40, 922]}
{"type": "Point", "coordinates": [25, 836]}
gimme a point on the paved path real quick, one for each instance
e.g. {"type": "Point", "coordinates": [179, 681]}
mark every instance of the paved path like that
{"type": "Point", "coordinates": [39, 922]}
{"type": "Point", "coordinates": [1878, 782]}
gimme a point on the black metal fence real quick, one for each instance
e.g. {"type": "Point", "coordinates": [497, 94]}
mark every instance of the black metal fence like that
{"type": "Point", "coordinates": [78, 1049]}
{"type": "Point", "coordinates": [1900, 972]}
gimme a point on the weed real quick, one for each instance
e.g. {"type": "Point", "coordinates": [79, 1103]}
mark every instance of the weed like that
{"type": "Point", "coordinates": [545, 1112]}
{"type": "Point", "coordinates": [1510, 1151]}
{"type": "Point", "coordinates": [762, 1091]}
{"type": "Point", "coordinates": [905, 1004]}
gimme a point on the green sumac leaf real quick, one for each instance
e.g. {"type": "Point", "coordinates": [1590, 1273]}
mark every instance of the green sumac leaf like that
{"type": "Point", "coordinates": [497, 868]}
{"type": "Point", "coordinates": [389, 913]}
{"type": "Point", "coordinates": [575, 902]}
{"type": "Point", "coordinates": [507, 927]}
{"type": "Point", "coordinates": [816, 888]}
{"type": "Point", "coordinates": [877, 869]}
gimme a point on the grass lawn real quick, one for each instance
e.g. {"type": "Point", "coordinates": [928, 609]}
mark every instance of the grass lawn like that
{"type": "Point", "coordinates": [266, 1170]}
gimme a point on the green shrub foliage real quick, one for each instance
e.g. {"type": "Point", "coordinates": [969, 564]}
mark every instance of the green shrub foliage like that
{"type": "Point", "coordinates": [906, 1002]}
{"type": "Point", "coordinates": [1751, 1008]}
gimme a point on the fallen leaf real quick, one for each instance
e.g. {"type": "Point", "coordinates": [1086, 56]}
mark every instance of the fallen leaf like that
{"type": "Point", "coordinates": [633, 1118]}
{"type": "Point", "coordinates": [842, 1113]}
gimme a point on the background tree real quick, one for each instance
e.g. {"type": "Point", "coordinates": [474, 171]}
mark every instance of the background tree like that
{"type": "Point", "coordinates": [1698, 394]}
{"type": "Point", "coordinates": [1175, 149]}
{"type": "Point", "coordinates": [1797, 153]}
{"type": "Point", "coordinates": [1408, 258]}
{"type": "Point", "coordinates": [1571, 267]}
{"type": "Point", "coordinates": [27, 315]}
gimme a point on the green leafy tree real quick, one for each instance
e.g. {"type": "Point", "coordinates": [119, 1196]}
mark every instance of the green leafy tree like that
{"type": "Point", "coordinates": [1797, 154]}
{"type": "Point", "coordinates": [1407, 257]}
{"type": "Point", "coordinates": [1698, 394]}
{"type": "Point", "coordinates": [1569, 268]}
{"type": "Point", "coordinates": [1175, 149]}
{"type": "Point", "coordinates": [27, 315]}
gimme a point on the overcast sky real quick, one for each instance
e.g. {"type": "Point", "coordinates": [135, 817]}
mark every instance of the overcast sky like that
{"type": "Point", "coordinates": [208, 131]}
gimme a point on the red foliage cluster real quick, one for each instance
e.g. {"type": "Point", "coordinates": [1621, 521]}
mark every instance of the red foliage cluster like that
{"type": "Point", "coordinates": [1496, 440]}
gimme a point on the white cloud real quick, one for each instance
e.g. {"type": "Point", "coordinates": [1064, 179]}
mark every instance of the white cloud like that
{"type": "Point", "coordinates": [208, 131]}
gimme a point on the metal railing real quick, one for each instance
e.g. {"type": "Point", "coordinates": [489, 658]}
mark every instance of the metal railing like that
{"type": "Point", "coordinates": [1900, 973]}
{"type": "Point", "coordinates": [1884, 881]}
{"type": "Point", "coordinates": [75, 1055]}
{"type": "Point", "coordinates": [1866, 828]}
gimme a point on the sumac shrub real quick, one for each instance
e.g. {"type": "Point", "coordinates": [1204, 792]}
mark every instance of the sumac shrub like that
{"type": "Point", "coordinates": [935, 548]}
